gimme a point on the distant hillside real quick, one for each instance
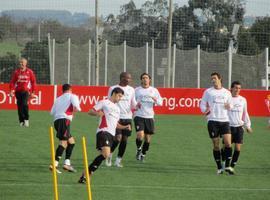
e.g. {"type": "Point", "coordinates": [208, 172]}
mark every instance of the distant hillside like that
{"type": "Point", "coordinates": [67, 18]}
{"type": "Point", "coordinates": [63, 16]}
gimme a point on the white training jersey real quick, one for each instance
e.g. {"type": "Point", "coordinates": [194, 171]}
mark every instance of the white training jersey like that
{"type": "Point", "coordinates": [109, 120]}
{"type": "Point", "coordinates": [127, 102]}
{"type": "Point", "coordinates": [216, 99]}
{"type": "Point", "coordinates": [64, 105]}
{"type": "Point", "coordinates": [144, 98]}
{"type": "Point", "coordinates": [238, 114]}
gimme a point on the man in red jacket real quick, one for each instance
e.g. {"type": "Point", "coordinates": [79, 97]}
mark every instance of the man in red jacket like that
{"type": "Point", "coordinates": [22, 84]}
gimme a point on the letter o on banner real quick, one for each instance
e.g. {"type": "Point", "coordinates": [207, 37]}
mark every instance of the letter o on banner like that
{"type": "Point", "coordinates": [3, 96]}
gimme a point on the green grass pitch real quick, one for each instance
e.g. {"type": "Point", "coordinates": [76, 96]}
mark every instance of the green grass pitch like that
{"type": "Point", "coordinates": [179, 164]}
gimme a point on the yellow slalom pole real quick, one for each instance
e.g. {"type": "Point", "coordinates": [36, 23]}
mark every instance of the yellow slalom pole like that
{"type": "Point", "coordinates": [55, 188]}
{"type": "Point", "coordinates": [86, 169]}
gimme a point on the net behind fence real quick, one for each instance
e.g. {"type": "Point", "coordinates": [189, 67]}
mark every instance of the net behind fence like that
{"type": "Point", "coordinates": [214, 62]}
{"type": "Point", "coordinates": [24, 32]}
{"type": "Point", "coordinates": [249, 70]}
{"type": "Point", "coordinates": [186, 68]}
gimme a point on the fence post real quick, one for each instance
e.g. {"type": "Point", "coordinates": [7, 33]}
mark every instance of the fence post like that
{"type": "Point", "coordinates": [97, 42]}
{"type": "Point", "coordinates": [170, 3]}
{"type": "Point", "coordinates": [198, 66]}
{"type": "Point", "coordinates": [53, 61]}
{"type": "Point", "coordinates": [125, 56]}
{"type": "Point", "coordinates": [50, 56]}
{"type": "Point", "coordinates": [267, 66]}
{"type": "Point", "coordinates": [106, 62]}
{"type": "Point", "coordinates": [230, 67]}
{"type": "Point", "coordinates": [173, 65]}
{"type": "Point", "coordinates": [69, 41]}
{"type": "Point", "coordinates": [89, 63]}
{"type": "Point", "coordinates": [146, 58]}
{"type": "Point", "coordinates": [153, 62]}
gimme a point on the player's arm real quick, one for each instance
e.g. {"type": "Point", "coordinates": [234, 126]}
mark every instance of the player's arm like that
{"type": "Point", "coordinates": [229, 104]}
{"type": "Point", "coordinates": [12, 83]}
{"type": "Point", "coordinates": [33, 84]}
{"type": "Point", "coordinates": [246, 118]}
{"type": "Point", "coordinates": [127, 127]}
{"type": "Point", "coordinates": [97, 110]}
{"type": "Point", "coordinates": [53, 109]}
{"type": "Point", "coordinates": [204, 106]}
{"type": "Point", "coordinates": [157, 98]}
{"type": "Point", "coordinates": [97, 113]}
{"type": "Point", "coordinates": [133, 103]}
{"type": "Point", "coordinates": [137, 99]}
{"type": "Point", "coordinates": [75, 102]}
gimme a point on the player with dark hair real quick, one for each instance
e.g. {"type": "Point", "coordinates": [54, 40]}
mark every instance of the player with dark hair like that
{"type": "Point", "coordinates": [109, 114]}
{"type": "Point", "coordinates": [23, 84]}
{"type": "Point", "coordinates": [215, 104]}
{"type": "Point", "coordinates": [146, 97]}
{"type": "Point", "coordinates": [62, 111]}
{"type": "Point", "coordinates": [126, 104]}
{"type": "Point", "coordinates": [239, 119]}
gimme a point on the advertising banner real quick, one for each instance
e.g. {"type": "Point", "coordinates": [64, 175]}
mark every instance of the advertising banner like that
{"type": "Point", "coordinates": [175, 100]}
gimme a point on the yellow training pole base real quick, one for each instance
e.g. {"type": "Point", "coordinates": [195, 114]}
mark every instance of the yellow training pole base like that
{"type": "Point", "coordinates": [86, 169]}
{"type": "Point", "coordinates": [55, 188]}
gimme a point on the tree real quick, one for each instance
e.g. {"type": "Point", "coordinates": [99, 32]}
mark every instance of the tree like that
{"type": "Point", "coordinates": [247, 44]}
{"type": "Point", "coordinates": [6, 25]}
{"type": "Point", "coordinates": [8, 64]}
{"type": "Point", "coordinates": [38, 59]}
{"type": "Point", "coordinates": [156, 8]}
{"type": "Point", "coordinates": [260, 30]}
{"type": "Point", "coordinates": [127, 26]}
{"type": "Point", "coordinates": [155, 18]}
{"type": "Point", "coordinates": [186, 28]}
{"type": "Point", "coordinates": [217, 16]}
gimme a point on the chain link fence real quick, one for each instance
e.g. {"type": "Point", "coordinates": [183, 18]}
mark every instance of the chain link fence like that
{"type": "Point", "coordinates": [250, 70]}
{"type": "Point", "coordinates": [128, 26]}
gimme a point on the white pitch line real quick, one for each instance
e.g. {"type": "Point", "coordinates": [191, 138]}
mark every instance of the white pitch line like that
{"type": "Point", "coordinates": [140, 187]}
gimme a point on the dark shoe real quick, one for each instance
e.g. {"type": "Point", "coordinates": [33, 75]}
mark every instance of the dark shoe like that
{"type": "Point", "coordinates": [82, 179]}
{"type": "Point", "coordinates": [142, 157]}
{"type": "Point", "coordinates": [229, 170]}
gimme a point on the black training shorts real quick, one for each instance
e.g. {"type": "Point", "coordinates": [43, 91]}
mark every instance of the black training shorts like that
{"type": "Point", "coordinates": [62, 126]}
{"type": "Point", "coordinates": [103, 139]}
{"type": "Point", "coordinates": [237, 134]}
{"type": "Point", "coordinates": [125, 132]}
{"type": "Point", "coordinates": [217, 129]}
{"type": "Point", "coordinates": [144, 124]}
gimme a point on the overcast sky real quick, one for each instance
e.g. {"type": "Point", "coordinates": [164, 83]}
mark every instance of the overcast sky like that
{"type": "Point", "coordinates": [253, 7]}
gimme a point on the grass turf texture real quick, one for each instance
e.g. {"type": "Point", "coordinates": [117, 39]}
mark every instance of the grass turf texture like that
{"type": "Point", "coordinates": [179, 164]}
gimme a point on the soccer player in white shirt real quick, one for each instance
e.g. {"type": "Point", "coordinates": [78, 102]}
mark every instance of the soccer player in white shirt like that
{"type": "Point", "coordinates": [146, 97]}
{"type": "Point", "coordinates": [239, 119]}
{"type": "Point", "coordinates": [62, 111]}
{"type": "Point", "coordinates": [109, 114]}
{"type": "Point", "coordinates": [126, 104]}
{"type": "Point", "coordinates": [215, 104]}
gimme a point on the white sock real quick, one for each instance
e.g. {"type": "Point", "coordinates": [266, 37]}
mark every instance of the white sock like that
{"type": "Point", "coordinates": [118, 159]}
{"type": "Point", "coordinates": [67, 162]}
